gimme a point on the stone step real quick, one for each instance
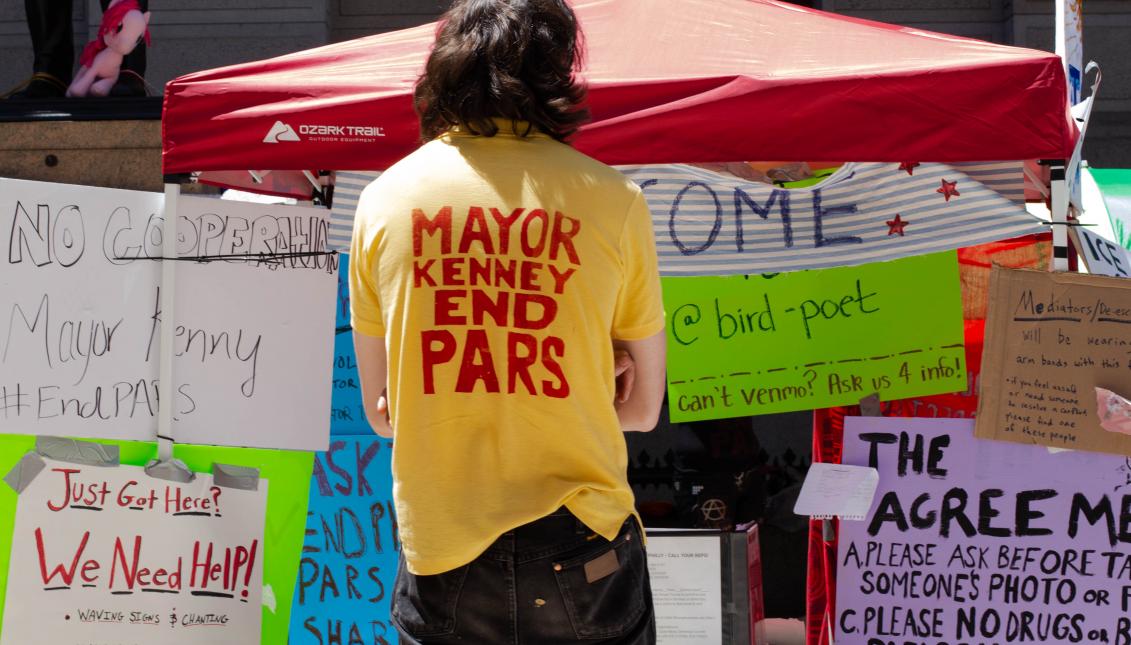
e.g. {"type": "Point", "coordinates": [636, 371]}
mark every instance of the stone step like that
{"type": "Point", "coordinates": [114, 143]}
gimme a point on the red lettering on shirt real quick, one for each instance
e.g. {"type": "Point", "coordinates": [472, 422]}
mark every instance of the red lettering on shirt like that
{"type": "Point", "coordinates": [421, 224]}
{"type": "Point", "coordinates": [534, 243]}
{"type": "Point", "coordinates": [432, 355]}
{"type": "Point", "coordinates": [475, 230]}
{"type": "Point", "coordinates": [477, 364]}
{"type": "Point", "coordinates": [563, 238]}
{"type": "Point", "coordinates": [477, 287]}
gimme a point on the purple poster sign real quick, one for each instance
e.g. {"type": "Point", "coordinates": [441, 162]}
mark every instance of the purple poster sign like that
{"type": "Point", "coordinates": [971, 541]}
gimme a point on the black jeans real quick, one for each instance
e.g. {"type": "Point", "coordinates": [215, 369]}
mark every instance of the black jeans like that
{"type": "Point", "coordinates": [533, 587]}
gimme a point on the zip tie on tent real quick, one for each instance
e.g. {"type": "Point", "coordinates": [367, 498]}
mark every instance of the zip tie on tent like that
{"type": "Point", "coordinates": [165, 466]}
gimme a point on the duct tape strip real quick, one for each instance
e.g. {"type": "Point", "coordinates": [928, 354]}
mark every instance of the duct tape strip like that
{"type": "Point", "coordinates": [238, 477]}
{"type": "Point", "coordinates": [870, 406]}
{"type": "Point", "coordinates": [87, 453]}
{"type": "Point", "coordinates": [25, 470]}
{"type": "Point", "coordinates": [173, 470]}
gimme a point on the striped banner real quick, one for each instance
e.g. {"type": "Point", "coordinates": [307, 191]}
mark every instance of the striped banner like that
{"type": "Point", "coordinates": [1007, 178]}
{"type": "Point", "coordinates": [713, 224]}
{"type": "Point", "coordinates": [709, 223]}
{"type": "Point", "coordinates": [348, 185]}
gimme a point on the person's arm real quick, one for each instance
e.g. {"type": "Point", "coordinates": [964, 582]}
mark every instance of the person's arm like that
{"type": "Point", "coordinates": [640, 409]}
{"type": "Point", "coordinates": [373, 369]}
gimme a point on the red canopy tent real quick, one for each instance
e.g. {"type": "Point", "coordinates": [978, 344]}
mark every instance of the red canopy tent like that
{"type": "Point", "coordinates": [678, 81]}
{"type": "Point", "coordinates": [681, 81]}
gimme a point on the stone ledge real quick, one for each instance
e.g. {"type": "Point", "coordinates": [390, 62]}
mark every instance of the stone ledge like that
{"type": "Point", "coordinates": [114, 154]}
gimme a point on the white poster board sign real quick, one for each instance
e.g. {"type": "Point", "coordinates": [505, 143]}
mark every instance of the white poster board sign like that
{"type": "Point", "coordinates": [686, 574]}
{"type": "Point", "coordinates": [80, 317]}
{"type": "Point", "coordinates": [1102, 256]}
{"type": "Point", "coordinates": [115, 557]}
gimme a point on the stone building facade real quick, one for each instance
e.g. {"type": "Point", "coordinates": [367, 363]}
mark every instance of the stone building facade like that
{"type": "Point", "coordinates": [201, 34]}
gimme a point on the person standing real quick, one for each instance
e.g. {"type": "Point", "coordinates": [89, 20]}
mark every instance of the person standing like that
{"type": "Point", "coordinates": [495, 273]}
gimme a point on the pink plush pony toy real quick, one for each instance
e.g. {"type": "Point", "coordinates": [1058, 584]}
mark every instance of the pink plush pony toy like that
{"type": "Point", "coordinates": [123, 27]}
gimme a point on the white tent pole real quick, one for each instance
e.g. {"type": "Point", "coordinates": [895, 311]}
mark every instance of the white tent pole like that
{"type": "Point", "coordinates": [165, 357]}
{"type": "Point", "coordinates": [1059, 205]}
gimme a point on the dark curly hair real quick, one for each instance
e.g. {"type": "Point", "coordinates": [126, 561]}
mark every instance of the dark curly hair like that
{"type": "Point", "coordinates": [513, 59]}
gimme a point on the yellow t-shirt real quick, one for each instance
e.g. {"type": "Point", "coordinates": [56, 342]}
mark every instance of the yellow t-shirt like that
{"type": "Point", "coordinates": [498, 270]}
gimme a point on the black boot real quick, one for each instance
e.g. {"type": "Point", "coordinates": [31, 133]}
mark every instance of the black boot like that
{"type": "Point", "coordinates": [39, 86]}
{"type": "Point", "coordinates": [52, 42]}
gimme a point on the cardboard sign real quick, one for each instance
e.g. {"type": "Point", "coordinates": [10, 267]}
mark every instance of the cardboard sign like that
{"type": "Point", "coordinates": [1051, 339]}
{"type": "Point", "coordinates": [349, 558]}
{"type": "Point", "coordinates": [80, 317]}
{"type": "Point", "coordinates": [709, 223]}
{"type": "Point", "coordinates": [972, 541]}
{"type": "Point", "coordinates": [741, 345]}
{"type": "Point", "coordinates": [1102, 256]}
{"type": "Point", "coordinates": [114, 556]}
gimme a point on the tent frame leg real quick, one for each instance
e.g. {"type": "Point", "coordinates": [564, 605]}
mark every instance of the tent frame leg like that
{"type": "Point", "coordinates": [1059, 208]}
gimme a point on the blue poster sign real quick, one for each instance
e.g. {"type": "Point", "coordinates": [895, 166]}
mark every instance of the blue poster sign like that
{"type": "Point", "coordinates": [347, 414]}
{"type": "Point", "coordinates": [350, 551]}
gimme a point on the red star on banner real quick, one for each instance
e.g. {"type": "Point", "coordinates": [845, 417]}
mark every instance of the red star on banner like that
{"type": "Point", "coordinates": [949, 189]}
{"type": "Point", "coordinates": [896, 225]}
{"type": "Point", "coordinates": [909, 166]}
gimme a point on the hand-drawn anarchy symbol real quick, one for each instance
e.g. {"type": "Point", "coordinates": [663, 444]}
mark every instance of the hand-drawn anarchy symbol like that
{"type": "Point", "coordinates": [713, 510]}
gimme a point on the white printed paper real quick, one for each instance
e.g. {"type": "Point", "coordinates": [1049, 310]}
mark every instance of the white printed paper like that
{"type": "Point", "coordinates": [80, 318]}
{"type": "Point", "coordinates": [115, 557]}
{"type": "Point", "coordinates": [1102, 256]}
{"type": "Point", "coordinates": [833, 490]}
{"type": "Point", "coordinates": [686, 575]}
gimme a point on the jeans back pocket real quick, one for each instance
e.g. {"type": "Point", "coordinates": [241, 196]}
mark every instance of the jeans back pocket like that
{"type": "Point", "coordinates": [613, 603]}
{"type": "Point", "coordinates": [425, 606]}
